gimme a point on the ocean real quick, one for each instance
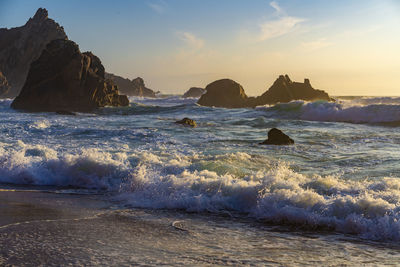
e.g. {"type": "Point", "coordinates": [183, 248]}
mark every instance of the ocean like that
{"type": "Point", "coordinates": [332, 197]}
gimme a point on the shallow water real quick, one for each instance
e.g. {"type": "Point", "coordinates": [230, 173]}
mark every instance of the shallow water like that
{"type": "Point", "coordinates": [342, 175]}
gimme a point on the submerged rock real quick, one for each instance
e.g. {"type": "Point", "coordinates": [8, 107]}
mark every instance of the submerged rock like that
{"type": "Point", "coordinates": [20, 46]}
{"type": "Point", "coordinates": [187, 121]}
{"type": "Point", "coordinates": [135, 87]}
{"type": "Point", "coordinates": [63, 78]}
{"type": "Point", "coordinates": [224, 93]}
{"type": "Point", "coordinates": [229, 94]}
{"type": "Point", "coordinates": [277, 137]}
{"type": "Point", "coordinates": [194, 92]}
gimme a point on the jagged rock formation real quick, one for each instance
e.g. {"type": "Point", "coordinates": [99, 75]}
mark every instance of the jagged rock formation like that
{"type": "Point", "coordinates": [135, 87]}
{"type": "Point", "coordinates": [4, 87]}
{"type": "Point", "coordinates": [277, 137]}
{"type": "Point", "coordinates": [194, 92]}
{"type": "Point", "coordinates": [187, 122]}
{"type": "Point", "coordinates": [63, 78]}
{"type": "Point", "coordinates": [229, 94]}
{"type": "Point", "coordinates": [224, 93]}
{"type": "Point", "coordinates": [20, 46]}
{"type": "Point", "coordinates": [284, 90]}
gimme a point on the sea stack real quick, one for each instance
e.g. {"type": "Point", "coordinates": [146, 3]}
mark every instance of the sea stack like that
{"type": "Point", "coordinates": [229, 94]}
{"type": "Point", "coordinates": [285, 90]}
{"type": "Point", "coordinates": [135, 87]}
{"type": "Point", "coordinates": [224, 93]}
{"type": "Point", "coordinates": [63, 78]}
{"type": "Point", "coordinates": [20, 46]}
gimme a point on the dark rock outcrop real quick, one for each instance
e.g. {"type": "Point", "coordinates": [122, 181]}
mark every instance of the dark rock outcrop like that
{"type": "Point", "coordinates": [135, 87]}
{"type": "Point", "coordinates": [229, 94]}
{"type": "Point", "coordinates": [63, 78]}
{"type": "Point", "coordinates": [194, 92]}
{"type": "Point", "coordinates": [277, 137]}
{"type": "Point", "coordinates": [224, 93]}
{"type": "Point", "coordinates": [187, 122]}
{"type": "Point", "coordinates": [284, 90]}
{"type": "Point", "coordinates": [20, 46]}
{"type": "Point", "coordinates": [4, 87]}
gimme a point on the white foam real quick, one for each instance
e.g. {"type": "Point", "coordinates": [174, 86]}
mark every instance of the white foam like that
{"type": "Point", "coordinates": [171, 180]}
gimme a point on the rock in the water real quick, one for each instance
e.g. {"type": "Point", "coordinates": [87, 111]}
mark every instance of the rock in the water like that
{"type": "Point", "coordinates": [4, 87]}
{"type": "Point", "coordinates": [65, 112]}
{"type": "Point", "coordinates": [224, 93]}
{"type": "Point", "coordinates": [229, 94]}
{"type": "Point", "coordinates": [277, 137]}
{"type": "Point", "coordinates": [285, 90]}
{"type": "Point", "coordinates": [20, 46]}
{"type": "Point", "coordinates": [135, 87]}
{"type": "Point", "coordinates": [194, 92]}
{"type": "Point", "coordinates": [63, 78]}
{"type": "Point", "coordinates": [187, 121]}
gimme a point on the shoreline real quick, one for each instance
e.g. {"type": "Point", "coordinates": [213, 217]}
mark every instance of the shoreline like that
{"type": "Point", "coordinates": [39, 227]}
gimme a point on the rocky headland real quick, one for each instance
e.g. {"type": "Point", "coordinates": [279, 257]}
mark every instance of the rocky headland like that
{"type": "Point", "coordinates": [135, 87]}
{"type": "Point", "coordinates": [20, 46]}
{"type": "Point", "coordinates": [63, 78]}
{"type": "Point", "coordinates": [229, 94]}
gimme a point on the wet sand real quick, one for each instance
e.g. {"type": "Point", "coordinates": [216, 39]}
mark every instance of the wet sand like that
{"type": "Point", "coordinates": [48, 229]}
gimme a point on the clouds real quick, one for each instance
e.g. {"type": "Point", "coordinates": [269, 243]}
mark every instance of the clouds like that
{"type": "Point", "coordinates": [158, 7]}
{"type": "Point", "coordinates": [283, 25]}
{"type": "Point", "coordinates": [191, 40]}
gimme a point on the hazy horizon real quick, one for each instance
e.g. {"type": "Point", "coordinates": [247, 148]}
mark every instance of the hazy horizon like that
{"type": "Point", "coordinates": [345, 47]}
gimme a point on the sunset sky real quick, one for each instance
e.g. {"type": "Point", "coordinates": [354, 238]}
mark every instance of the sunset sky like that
{"type": "Point", "coordinates": [344, 47]}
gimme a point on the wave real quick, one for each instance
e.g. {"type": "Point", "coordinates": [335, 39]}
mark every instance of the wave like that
{"type": "Point", "coordinates": [220, 183]}
{"type": "Point", "coordinates": [343, 111]}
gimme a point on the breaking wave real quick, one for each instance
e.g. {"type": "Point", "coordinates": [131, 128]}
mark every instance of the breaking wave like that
{"type": "Point", "coordinates": [221, 183]}
{"type": "Point", "coordinates": [374, 111]}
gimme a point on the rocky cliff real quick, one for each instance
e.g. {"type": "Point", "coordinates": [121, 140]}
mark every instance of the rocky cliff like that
{"type": "Point", "coordinates": [63, 78]}
{"type": "Point", "coordinates": [20, 46]}
{"type": "Point", "coordinates": [135, 87]}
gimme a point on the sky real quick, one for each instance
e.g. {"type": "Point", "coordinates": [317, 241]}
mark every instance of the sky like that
{"type": "Point", "coordinates": [345, 47]}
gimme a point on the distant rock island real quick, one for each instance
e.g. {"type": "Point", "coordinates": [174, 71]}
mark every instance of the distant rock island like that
{"type": "Point", "coordinates": [229, 94]}
{"type": "Point", "coordinates": [20, 46]}
{"type": "Point", "coordinates": [194, 92]}
{"type": "Point", "coordinates": [135, 87]}
{"type": "Point", "coordinates": [224, 93]}
{"type": "Point", "coordinates": [63, 78]}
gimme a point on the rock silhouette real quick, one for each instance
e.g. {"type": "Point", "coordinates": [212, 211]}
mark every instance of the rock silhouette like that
{"type": "Point", "coordinates": [224, 93]}
{"type": "Point", "coordinates": [135, 87]}
{"type": "Point", "coordinates": [194, 92]}
{"type": "Point", "coordinates": [277, 137]}
{"type": "Point", "coordinates": [229, 94]}
{"type": "Point", "coordinates": [20, 46]}
{"type": "Point", "coordinates": [63, 78]}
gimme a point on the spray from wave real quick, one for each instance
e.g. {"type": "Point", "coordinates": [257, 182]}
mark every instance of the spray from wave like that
{"type": "Point", "coordinates": [197, 183]}
{"type": "Point", "coordinates": [374, 110]}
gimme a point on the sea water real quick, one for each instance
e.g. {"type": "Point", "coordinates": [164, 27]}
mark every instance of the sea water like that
{"type": "Point", "coordinates": [341, 176]}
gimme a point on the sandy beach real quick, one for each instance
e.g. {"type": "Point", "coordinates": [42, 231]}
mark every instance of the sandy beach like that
{"type": "Point", "coordinates": [40, 228]}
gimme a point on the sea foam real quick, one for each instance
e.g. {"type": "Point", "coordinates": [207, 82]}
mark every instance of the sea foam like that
{"type": "Point", "coordinates": [274, 193]}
